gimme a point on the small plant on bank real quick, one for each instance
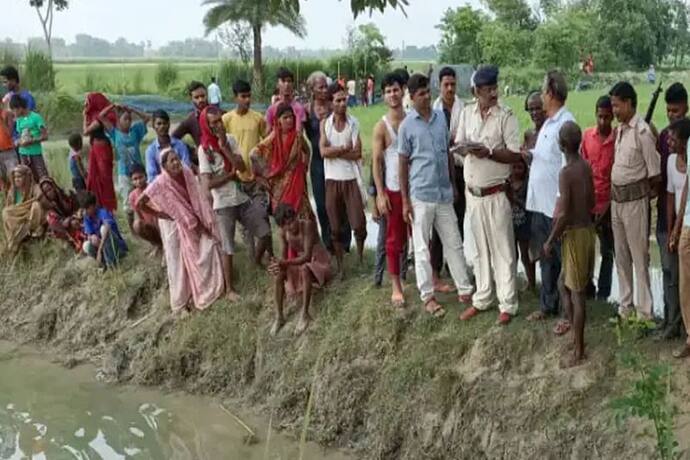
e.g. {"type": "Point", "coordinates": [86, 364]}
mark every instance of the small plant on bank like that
{"type": "Point", "coordinates": [167, 74]}
{"type": "Point", "coordinates": [38, 73]}
{"type": "Point", "coordinates": [649, 395]}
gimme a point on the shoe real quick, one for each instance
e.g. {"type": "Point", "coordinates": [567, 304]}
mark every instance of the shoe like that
{"type": "Point", "coordinates": [469, 313]}
{"type": "Point", "coordinates": [504, 319]}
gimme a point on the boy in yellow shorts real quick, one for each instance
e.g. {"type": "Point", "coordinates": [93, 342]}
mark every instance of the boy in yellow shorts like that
{"type": "Point", "coordinates": [573, 222]}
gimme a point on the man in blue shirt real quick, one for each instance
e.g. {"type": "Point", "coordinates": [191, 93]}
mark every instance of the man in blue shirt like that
{"type": "Point", "coordinates": [161, 125]}
{"type": "Point", "coordinates": [426, 184]}
{"type": "Point", "coordinates": [10, 80]}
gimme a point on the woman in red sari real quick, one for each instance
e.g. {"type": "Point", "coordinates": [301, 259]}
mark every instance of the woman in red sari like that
{"type": "Point", "coordinates": [281, 164]}
{"type": "Point", "coordinates": [99, 178]}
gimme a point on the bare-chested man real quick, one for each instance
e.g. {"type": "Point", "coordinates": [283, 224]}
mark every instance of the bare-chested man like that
{"type": "Point", "coordinates": [385, 166]}
{"type": "Point", "coordinates": [573, 221]}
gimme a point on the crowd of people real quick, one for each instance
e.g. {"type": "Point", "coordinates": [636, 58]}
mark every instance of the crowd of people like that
{"type": "Point", "coordinates": [547, 195]}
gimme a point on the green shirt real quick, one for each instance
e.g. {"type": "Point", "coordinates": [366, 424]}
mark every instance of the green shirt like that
{"type": "Point", "coordinates": [30, 127]}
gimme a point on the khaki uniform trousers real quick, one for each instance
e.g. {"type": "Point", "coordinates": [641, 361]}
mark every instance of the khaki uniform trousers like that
{"type": "Point", "coordinates": [684, 257]}
{"type": "Point", "coordinates": [630, 224]}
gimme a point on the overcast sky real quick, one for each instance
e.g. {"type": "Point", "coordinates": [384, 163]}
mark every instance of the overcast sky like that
{"type": "Point", "coordinates": [163, 20]}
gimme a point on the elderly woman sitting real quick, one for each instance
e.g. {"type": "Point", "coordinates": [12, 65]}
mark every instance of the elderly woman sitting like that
{"type": "Point", "coordinates": [61, 213]}
{"type": "Point", "coordinates": [23, 215]}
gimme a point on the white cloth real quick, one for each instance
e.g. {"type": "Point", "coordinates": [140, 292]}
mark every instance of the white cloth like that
{"type": "Point", "coordinates": [495, 261]}
{"type": "Point", "coordinates": [229, 194]}
{"type": "Point", "coordinates": [458, 105]}
{"type": "Point", "coordinates": [442, 218]}
{"type": "Point", "coordinates": [351, 88]}
{"type": "Point", "coordinates": [214, 94]}
{"type": "Point", "coordinates": [338, 168]}
{"type": "Point", "coordinates": [676, 180]}
{"type": "Point", "coordinates": [547, 161]}
{"type": "Point", "coordinates": [177, 278]}
{"type": "Point", "coordinates": [391, 159]}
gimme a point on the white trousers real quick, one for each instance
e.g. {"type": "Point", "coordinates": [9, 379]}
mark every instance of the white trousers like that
{"type": "Point", "coordinates": [495, 259]}
{"type": "Point", "coordinates": [442, 218]}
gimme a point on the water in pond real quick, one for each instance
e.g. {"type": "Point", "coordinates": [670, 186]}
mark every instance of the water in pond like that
{"type": "Point", "coordinates": [48, 412]}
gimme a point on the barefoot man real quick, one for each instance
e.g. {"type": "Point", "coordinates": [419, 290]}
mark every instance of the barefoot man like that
{"type": "Point", "coordinates": [573, 221]}
{"type": "Point", "coordinates": [385, 166]}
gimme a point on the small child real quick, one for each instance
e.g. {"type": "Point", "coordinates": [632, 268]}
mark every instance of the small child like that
{"type": "Point", "coordinates": [8, 154]}
{"type": "Point", "coordinates": [105, 242]}
{"type": "Point", "coordinates": [573, 221]}
{"type": "Point", "coordinates": [76, 167]}
{"type": "Point", "coordinates": [522, 218]}
{"type": "Point", "coordinates": [32, 132]}
{"type": "Point", "coordinates": [145, 225]}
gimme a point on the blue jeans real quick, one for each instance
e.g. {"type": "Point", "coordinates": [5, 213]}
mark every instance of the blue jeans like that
{"type": "Point", "coordinates": [672, 321]}
{"type": "Point", "coordinates": [318, 187]}
{"type": "Point", "coordinates": [550, 267]}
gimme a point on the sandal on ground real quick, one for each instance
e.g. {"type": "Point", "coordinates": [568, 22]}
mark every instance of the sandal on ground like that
{"type": "Point", "coordinates": [465, 299]}
{"type": "Point", "coordinates": [562, 327]}
{"type": "Point", "coordinates": [536, 316]}
{"type": "Point", "coordinates": [682, 353]}
{"type": "Point", "coordinates": [434, 308]}
{"type": "Point", "coordinates": [469, 313]}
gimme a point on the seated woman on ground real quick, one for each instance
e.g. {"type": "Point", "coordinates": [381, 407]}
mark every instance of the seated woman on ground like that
{"type": "Point", "coordinates": [145, 224]}
{"type": "Point", "coordinates": [60, 208]}
{"type": "Point", "coordinates": [105, 242]}
{"type": "Point", "coordinates": [305, 262]}
{"type": "Point", "coordinates": [198, 270]}
{"type": "Point", "coordinates": [22, 216]}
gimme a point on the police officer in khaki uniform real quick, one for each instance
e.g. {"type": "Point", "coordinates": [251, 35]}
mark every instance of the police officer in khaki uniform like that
{"type": "Point", "coordinates": [488, 137]}
{"type": "Point", "coordinates": [636, 170]}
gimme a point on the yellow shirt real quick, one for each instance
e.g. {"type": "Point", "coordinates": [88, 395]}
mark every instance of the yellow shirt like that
{"type": "Point", "coordinates": [248, 129]}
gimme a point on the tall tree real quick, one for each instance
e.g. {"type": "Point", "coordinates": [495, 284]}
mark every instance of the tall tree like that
{"type": "Point", "coordinates": [357, 6]}
{"type": "Point", "coordinates": [460, 28]}
{"type": "Point", "coordinates": [258, 14]}
{"type": "Point", "coordinates": [46, 12]}
{"type": "Point", "coordinates": [514, 13]}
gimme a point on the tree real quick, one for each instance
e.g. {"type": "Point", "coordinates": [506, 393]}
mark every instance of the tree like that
{"type": "Point", "coordinates": [514, 13]}
{"type": "Point", "coordinates": [565, 39]}
{"type": "Point", "coordinates": [258, 14]}
{"type": "Point", "coordinates": [46, 12]}
{"type": "Point", "coordinates": [237, 36]}
{"type": "Point", "coordinates": [368, 50]}
{"type": "Point", "coordinates": [357, 6]}
{"type": "Point", "coordinates": [503, 45]}
{"type": "Point", "coordinates": [459, 30]}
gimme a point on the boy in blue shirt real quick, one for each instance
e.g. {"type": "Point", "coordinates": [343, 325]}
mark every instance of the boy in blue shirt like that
{"type": "Point", "coordinates": [105, 242]}
{"type": "Point", "coordinates": [76, 166]}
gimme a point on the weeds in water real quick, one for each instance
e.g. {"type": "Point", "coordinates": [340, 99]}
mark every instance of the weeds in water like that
{"type": "Point", "coordinates": [649, 397]}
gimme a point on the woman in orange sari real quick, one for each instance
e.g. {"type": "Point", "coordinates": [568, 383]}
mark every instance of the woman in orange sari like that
{"type": "Point", "coordinates": [280, 163]}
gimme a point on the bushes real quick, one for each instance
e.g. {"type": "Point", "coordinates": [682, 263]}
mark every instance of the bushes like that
{"type": "Point", "coordinates": [62, 112]}
{"type": "Point", "coordinates": [167, 74]}
{"type": "Point", "coordinates": [38, 73]}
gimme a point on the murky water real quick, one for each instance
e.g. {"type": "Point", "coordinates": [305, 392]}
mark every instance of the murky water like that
{"type": "Point", "coordinates": [48, 412]}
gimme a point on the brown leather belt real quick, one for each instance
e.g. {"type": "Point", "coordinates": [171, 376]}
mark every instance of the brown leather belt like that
{"type": "Point", "coordinates": [630, 192]}
{"type": "Point", "coordinates": [480, 192]}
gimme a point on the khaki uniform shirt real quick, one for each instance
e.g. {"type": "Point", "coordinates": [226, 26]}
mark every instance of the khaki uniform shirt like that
{"type": "Point", "coordinates": [498, 130]}
{"type": "Point", "coordinates": [636, 157]}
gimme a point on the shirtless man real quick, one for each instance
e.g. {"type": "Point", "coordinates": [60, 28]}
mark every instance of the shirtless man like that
{"type": "Point", "coordinates": [385, 166]}
{"type": "Point", "coordinates": [573, 221]}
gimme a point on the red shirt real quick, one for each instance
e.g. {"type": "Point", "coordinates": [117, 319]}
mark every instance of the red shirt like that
{"type": "Point", "coordinates": [599, 154]}
{"type": "Point", "coordinates": [148, 219]}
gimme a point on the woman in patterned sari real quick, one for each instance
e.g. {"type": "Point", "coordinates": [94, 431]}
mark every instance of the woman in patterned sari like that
{"type": "Point", "coordinates": [23, 215]}
{"type": "Point", "coordinates": [280, 164]}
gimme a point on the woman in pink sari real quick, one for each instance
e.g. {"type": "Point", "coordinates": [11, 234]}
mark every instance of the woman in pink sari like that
{"type": "Point", "coordinates": [178, 192]}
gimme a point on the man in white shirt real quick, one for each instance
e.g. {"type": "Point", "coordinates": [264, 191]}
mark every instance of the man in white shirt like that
{"type": "Point", "coordinates": [351, 93]}
{"type": "Point", "coordinates": [542, 193]}
{"type": "Point", "coordinates": [341, 149]}
{"type": "Point", "coordinates": [214, 95]}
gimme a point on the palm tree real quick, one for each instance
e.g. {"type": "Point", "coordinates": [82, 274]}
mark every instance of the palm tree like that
{"type": "Point", "coordinates": [258, 13]}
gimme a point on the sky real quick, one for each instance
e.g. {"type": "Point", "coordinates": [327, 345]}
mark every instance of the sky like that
{"type": "Point", "coordinates": [327, 22]}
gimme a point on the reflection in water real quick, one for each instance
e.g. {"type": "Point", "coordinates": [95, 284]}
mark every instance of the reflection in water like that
{"type": "Point", "coordinates": [47, 412]}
